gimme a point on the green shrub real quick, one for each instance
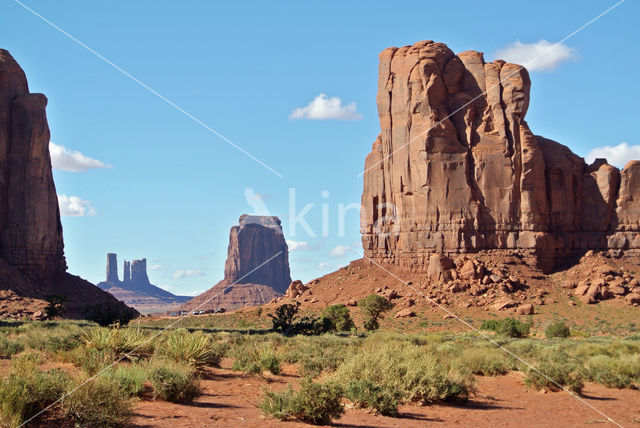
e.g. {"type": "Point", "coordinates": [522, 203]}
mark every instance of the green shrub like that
{"type": "Point", "coordinates": [91, 360]}
{"type": "Point", "coordinates": [9, 347]}
{"type": "Point", "coordinates": [483, 360]}
{"type": "Point", "coordinates": [55, 307]}
{"type": "Point", "coordinates": [372, 308]}
{"type": "Point", "coordinates": [414, 373]}
{"type": "Point", "coordinates": [557, 329]}
{"type": "Point", "coordinates": [132, 342]}
{"type": "Point", "coordinates": [197, 348]}
{"type": "Point", "coordinates": [283, 318]}
{"type": "Point", "coordinates": [614, 372]}
{"type": "Point", "coordinates": [509, 327]}
{"type": "Point", "coordinates": [129, 378]}
{"type": "Point", "coordinates": [27, 390]}
{"type": "Point", "coordinates": [363, 393]}
{"type": "Point", "coordinates": [174, 381]}
{"type": "Point", "coordinates": [98, 402]}
{"type": "Point", "coordinates": [315, 403]}
{"type": "Point", "coordinates": [338, 318]}
{"type": "Point", "coordinates": [108, 313]}
{"type": "Point", "coordinates": [550, 374]}
{"type": "Point", "coordinates": [253, 358]}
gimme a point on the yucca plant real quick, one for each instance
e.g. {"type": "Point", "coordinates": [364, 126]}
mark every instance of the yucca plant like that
{"type": "Point", "coordinates": [122, 341]}
{"type": "Point", "coordinates": [196, 349]}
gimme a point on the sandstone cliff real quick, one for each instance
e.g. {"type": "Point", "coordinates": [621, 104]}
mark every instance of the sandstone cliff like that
{"type": "Point", "coordinates": [32, 262]}
{"type": "Point", "coordinates": [256, 270]}
{"type": "Point", "coordinates": [456, 169]}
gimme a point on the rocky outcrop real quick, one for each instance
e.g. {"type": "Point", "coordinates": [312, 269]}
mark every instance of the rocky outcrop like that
{"type": "Point", "coordinates": [456, 169]}
{"type": "Point", "coordinates": [135, 289]}
{"type": "Point", "coordinates": [258, 253]}
{"type": "Point", "coordinates": [256, 270]}
{"type": "Point", "coordinates": [32, 261]}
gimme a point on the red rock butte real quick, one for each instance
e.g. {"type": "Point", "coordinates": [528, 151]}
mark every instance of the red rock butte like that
{"type": "Point", "coordinates": [456, 169]}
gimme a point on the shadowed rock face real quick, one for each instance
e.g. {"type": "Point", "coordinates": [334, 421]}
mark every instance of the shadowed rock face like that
{"type": "Point", "coordinates": [258, 253]}
{"type": "Point", "coordinates": [448, 177]}
{"type": "Point", "coordinates": [31, 232]}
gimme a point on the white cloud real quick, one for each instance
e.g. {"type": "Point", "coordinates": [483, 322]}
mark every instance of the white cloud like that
{"type": "Point", "coordinates": [325, 108]}
{"type": "Point", "coordinates": [256, 202]}
{"type": "Point", "coordinates": [539, 56]}
{"type": "Point", "coordinates": [72, 160]}
{"type": "Point", "coordinates": [616, 155]}
{"type": "Point", "coordinates": [187, 274]}
{"type": "Point", "coordinates": [155, 267]}
{"type": "Point", "coordinates": [74, 206]}
{"type": "Point", "coordinates": [339, 251]}
{"type": "Point", "coordinates": [298, 245]}
{"type": "Point", "coordinates": [324, 266]}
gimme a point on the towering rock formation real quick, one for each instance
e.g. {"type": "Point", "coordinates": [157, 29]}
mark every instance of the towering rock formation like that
{"type": "Point", "coordinates": [112, 268]}
{"type": "Point", "coordinates": [456, 169]}
{"type": "Point", "coordinates": [256, 269]}
{"type": "Point", "coordinates": [32, 261]}
{"type": "Point", "coordinates": [135, 289]}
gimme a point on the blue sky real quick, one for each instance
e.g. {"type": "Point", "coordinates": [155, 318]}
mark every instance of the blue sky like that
{"type": "Point", "coordinates": [168, 189]}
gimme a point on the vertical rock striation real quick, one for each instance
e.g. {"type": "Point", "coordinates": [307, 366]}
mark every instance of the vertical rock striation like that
{"type": "Point", "coordinates": [456, 169]}
{"type": "Point", "coordinates": [112, 267]}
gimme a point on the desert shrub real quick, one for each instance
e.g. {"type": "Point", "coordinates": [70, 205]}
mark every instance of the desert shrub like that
{"type": "Point", "coordinates": [27, 390]}
{"type": "Point", "coordinates": [9, 347]}
{"type": "Point", "coordinates": [91, 360]}
{"type": "Point", "coordinates": [557, 329]}
{"type": "Point", "coordinates": [254, 358]}
{"type": "Point", "coordinates": [174, 381]}
{"type": "Point", "coordinates": [372, 308]}
{"type": "Point", "coordinates": [132, 342]}
{"type": "Point", "coordinates": [338, 318]}
{"type": "Point", "coordinates": [509, 327]}
{"type": "Point", "coordinates": [197, 348]}
{"type": "Point", "coordinates": [129, 378]}
{"type": "Point", "coordinates": [382, 400]}
{"type": "Point", "coordinates": [108, 313]}
{"type": "Point", "coordinates": [551, 373]}
{"type": "Point", "coordinates": [481, 360]}
{"type": "Point", "coordinates": [614, 372]}
{"type": "Point", "coordinates": [97, 402]}
{"type": "Point", "coordinates": [284, 315]}
{"type": "Point", "coordinates": [51, 336]}
{"type": "Point", "coordinates": [316, 403]}
{"type": "Point", "coordinates": [55, 306]}
{"type": "Point", "coordinates": [414, 373]}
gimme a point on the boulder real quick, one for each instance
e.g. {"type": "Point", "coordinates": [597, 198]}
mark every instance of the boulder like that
{"type": "Point", "coordinates": [525, 309]}
{"type": "Point", "coordinates": [404, 313]}
{"type": "Point", "coordinates": [633, 299]}
{"type": "Point", "coordinates": [439, 268]}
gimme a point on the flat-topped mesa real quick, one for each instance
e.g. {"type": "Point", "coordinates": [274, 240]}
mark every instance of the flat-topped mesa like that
{"type": "Point", "coordinates": [30, 228]}
{"type": "Point", "coordinates": [139, 272]}
{"type": "Point", "coordinates": [258, 253]}
{"type": "Point", "coordinates": [456, 169]}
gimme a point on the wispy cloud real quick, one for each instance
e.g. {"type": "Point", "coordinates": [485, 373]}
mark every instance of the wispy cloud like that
{"type": "Point", "coordinates": [155, 267]}
{"type": "Point", "coordinates": [72, 160]}
{"type": "Point", "coordinates": [324, 266]}
{"type": "Point", "coordinates": [325, 108]}
{"type": "Point", "coordinates": [339, 250]}
{"type": "Point", "coordinates": [256, 202]}
{"type": "Point", "coordinates": [75, 206]}
{"type": "Point", "coordinates": [298, 245]}
{"type": "Point", "coordinates": [616, 155]}
{"type": "Point", "coordinates": [187, 274]}
{"type": "Point", "coordinates": [539, 56]}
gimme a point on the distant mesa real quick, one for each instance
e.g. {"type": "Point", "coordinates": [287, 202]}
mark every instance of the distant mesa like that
{"type": "Point", "coordinates": [256, 270]}
{"type": "Point", "coordinates": [135, 289]}
{"type": "Point", "coordinates": [32, 261]}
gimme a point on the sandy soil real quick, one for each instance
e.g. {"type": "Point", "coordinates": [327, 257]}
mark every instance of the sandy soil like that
{"type": "Point", "coordinates": [230, 399]}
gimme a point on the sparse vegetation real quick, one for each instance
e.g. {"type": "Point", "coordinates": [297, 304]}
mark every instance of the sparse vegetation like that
{"type": "Point", "coordinates": [173, 381]}
{"type": "Point", "coordinates": [509, 327]}
{"type": "Point", "coordinates": [557, 329]}
{"type": "Point", "coordinates": [97, 402]}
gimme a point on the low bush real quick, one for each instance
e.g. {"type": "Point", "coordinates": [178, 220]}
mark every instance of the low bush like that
{"type": "Point", "coordinates": [552, 375]}
{"type": "Point", "coordinates": [91, 360]}
{"type": "Point", "coordinates": [129, 378]}
{"type": "Point", "coordinates": [9, 347]}
{"type": "Point", "coordinates": [27, 390]}
{"type": "Point", "coordinates": [253, 358]}
{"type": "Point", "coordinates": [483, 360]}
{"type": "Point", "coordinates": [173, 381]}
{"type": "Point", "coordinates": [197, 348]}
{"type": "Point", "coordinates": [363, 393]}
{"type": "Point", "coordinates": [509, 327]}
{"type": "Point", "coordinates": [557, 329]}
{"type": "Point", "coordinates": [132, 342]}
{"type": "Point", "coordinates": [614, 372]}
{"type": "Point", "coordinates": [108, 313]}
{"type": "Point", "coordinates": [338, 318]}
{"type": "Point", "coordinates": [97, 402]}
{"type": "Point", "coordinates": [315, 403]}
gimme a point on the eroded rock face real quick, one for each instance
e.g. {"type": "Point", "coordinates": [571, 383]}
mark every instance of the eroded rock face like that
{"type": "Point", "coordinates": [258, 253]}
{"type": "Point", "coordinates": [31, 232]}
{"type": "Point", "coordinates": [456, 169]}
